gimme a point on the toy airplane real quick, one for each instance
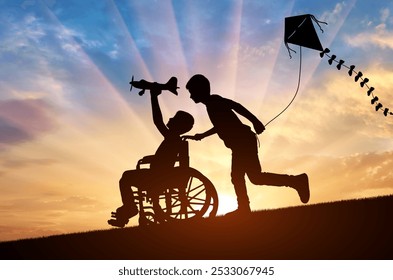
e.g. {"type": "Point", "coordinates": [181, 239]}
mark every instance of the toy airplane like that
{"type": "Point", "coordinates": [171, 85]}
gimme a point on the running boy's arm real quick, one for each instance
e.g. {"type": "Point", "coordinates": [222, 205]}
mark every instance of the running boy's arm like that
{"type": "Point", "coordinates": [241, 110]}
{"type": "Point", "coordinates": [157, 115]}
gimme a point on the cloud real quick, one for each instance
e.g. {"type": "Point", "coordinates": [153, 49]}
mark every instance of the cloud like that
{"type": "Point", "coordinates": [379, 36]}
{"type": "Point", "coordinates": [11, 134]}
{"type": "Point", "coordinates": [114, 53]}
{"type": "Point", "coordinates": [19, 163]}
{"type": "Point", "coordinates": [31, 58]}
{"type": "Point", "coordinates": [72, 203]}
{"type": "Point", "coordinates": [249, 53]}
{"type": "Point", "coordinates": [333, 16]}
{"type": "Point", "coordinates": [47, 57]}
{"type": "Point", "coordinates": [24, 120]}
{"type": "Point", "coordinates": [43, 215]}
{"type": "Point", "coordinates": [49, 204]}
{"type": "Point", "coordinates": [36, 46]}
{"type": "Point", "coordinates": [357, 174]}
{"type": "Point", "coordinates": [21, 33]}
{"type": "Point", "coordinates": [385, 13]}
{"type": "Point", "coordinates": [19, 232]}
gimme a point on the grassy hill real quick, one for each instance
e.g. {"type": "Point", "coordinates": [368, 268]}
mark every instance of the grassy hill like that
{"type": "Point", "coordinates": [354, 229]}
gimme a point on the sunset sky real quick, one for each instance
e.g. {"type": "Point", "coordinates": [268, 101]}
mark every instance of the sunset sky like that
{"type": "Point", "coordinates": [69, 126]}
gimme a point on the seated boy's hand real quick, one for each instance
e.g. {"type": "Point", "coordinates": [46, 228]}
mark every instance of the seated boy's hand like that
{"type": "Point", "coordinates": [155, 91]}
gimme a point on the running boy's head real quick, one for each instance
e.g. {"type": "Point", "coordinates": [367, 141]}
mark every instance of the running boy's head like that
{"type": "Point", "coordinates": [199, 88]}
{"type": "Point", "coordinates": [181, 122]}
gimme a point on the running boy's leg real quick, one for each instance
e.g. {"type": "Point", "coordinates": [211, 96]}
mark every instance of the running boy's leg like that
{"type": "Point", "coordinates": [237, 175]}
{"type": "Point", "coordinates": [299, 182]}
{"type": "Point", "coordinates": [249, 160]}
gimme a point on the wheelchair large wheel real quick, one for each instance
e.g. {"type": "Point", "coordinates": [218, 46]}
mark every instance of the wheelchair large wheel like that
{"type": "Point", "coordinates": [192, 200]}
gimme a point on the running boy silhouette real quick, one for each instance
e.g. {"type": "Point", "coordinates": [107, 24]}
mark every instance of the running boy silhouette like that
{"type": "Point", "coordinates": [242, 141]}
{"type": "Point", "coordinates": [161, 164]}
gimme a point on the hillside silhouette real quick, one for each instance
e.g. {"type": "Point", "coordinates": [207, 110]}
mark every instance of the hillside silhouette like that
{"type": "Point", "coordinates": [353, 229]}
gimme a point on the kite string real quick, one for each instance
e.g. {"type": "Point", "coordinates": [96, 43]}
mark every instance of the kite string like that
{"type": "Point", "coordinates": [297, 89]}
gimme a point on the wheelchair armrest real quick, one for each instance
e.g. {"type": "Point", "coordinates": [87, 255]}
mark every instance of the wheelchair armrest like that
{"type": "Point", "coordinates": [145, 160]}
{"type": "Point", "coordinates": [182, 158]}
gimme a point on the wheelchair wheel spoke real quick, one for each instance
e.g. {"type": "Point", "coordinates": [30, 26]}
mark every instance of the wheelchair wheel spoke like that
{"type": "Point", "coordinates": [197, 203]}
{"type": "Point", "coordinates": [195, 199]}
{"type": "Point", "coordinates": [190, 189]}
{"type": "Point", "coordinates": [176, 202]}
{"type": "Point", "coordinates": [197, 194]}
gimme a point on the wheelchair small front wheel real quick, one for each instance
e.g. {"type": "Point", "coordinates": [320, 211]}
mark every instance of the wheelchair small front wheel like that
{"type": "Point", "coordinates": [147, 219]}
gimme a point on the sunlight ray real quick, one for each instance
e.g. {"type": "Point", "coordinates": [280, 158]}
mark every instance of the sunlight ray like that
{"type": "Point", "coordinates": [272, 61]}
{"type": "Point", "coordinates": [166, 54]}
{"type": "Point", "coordinates": [120, 105]}
{"type": "Point", "coordinates": [230, 61]}
{"type": "Point", "coordinates": [130, 41]}
{"type": "Point", "coordinates": [96, 146]}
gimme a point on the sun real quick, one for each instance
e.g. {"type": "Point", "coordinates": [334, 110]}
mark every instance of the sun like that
{"type": "Point", "coordinates": [226, 203]}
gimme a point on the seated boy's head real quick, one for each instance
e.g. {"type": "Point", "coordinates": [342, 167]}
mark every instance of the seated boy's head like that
{"type": "Point", "coordinates": [181, 122]}
{"type": "Point", "coordinates": [199, 88]}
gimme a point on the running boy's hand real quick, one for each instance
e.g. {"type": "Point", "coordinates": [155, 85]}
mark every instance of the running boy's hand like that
{"type": "Point", "coordinates": [197, 137]}
{"type": "Point", "coordinates": [259, 127]}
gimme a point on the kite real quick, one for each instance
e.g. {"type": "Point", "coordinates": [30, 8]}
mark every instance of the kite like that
{"type": "Point", "coordinates": [299, 30]}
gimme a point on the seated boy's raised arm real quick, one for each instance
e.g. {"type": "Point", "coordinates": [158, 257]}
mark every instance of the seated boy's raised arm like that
{"type": "Point", "coordinates": [156, 111]}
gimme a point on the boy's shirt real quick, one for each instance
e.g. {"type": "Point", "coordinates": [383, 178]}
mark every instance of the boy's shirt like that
{"type": "Point", "coordinates": [227, 124]}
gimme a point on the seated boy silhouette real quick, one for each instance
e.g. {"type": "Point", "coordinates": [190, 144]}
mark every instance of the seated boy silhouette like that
{"type": "Point", "coordinates": [161, 164]}
{"type": "Point", "coordinates": [242, 141]}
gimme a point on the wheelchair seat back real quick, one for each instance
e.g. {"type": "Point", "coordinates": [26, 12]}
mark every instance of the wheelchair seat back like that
{"type": "Point", "coordinates": [183, 156]}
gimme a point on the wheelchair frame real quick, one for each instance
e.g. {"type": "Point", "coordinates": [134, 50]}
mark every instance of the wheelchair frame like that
{"type": "Point", "coordinates": [193, 196]}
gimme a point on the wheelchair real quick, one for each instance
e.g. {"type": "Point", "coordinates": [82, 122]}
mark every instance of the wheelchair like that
{"type": "Point", "coordinates": [188, 195]}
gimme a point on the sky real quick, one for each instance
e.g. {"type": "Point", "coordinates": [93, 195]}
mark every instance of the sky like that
{"type": "Point", "coordinates": [69, 125]}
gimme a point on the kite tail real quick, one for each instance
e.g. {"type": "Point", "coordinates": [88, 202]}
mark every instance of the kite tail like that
{"type": "Point", "coordinates": [358, 78]}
